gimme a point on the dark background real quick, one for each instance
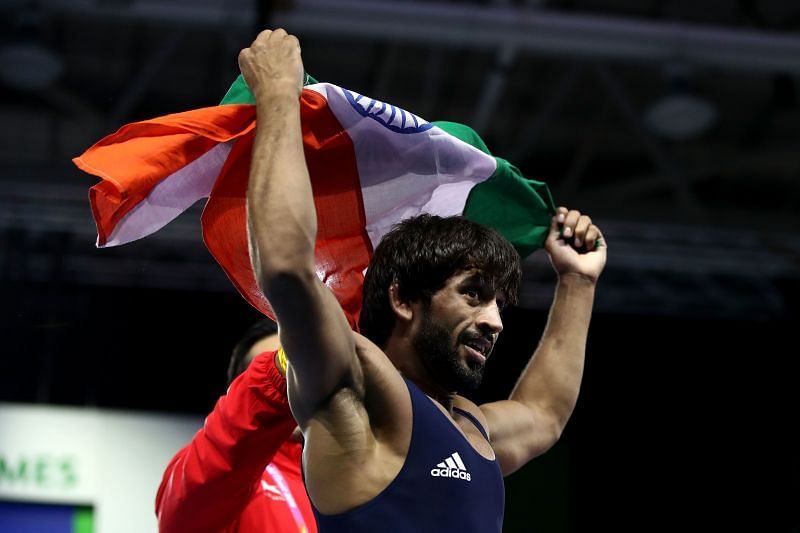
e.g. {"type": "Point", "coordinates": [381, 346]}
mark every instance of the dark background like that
{"type": "Point", "coordinates": [681, 422]}
{"type": "Point", "coordinates": [689, 403]}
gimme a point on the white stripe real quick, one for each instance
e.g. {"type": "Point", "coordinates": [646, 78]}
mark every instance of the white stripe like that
{"type": "Point", "coordinates": [174, 195]}
{"type": "Point", "coordinates": [405, 174]}
{"type": "Point", "coordinates": [450, 463]}
{"type": "Point", "coordinates": [459, 462]}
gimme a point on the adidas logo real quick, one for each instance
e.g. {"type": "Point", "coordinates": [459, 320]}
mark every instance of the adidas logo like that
{"type": "Point", "coordinates": [453, 466]}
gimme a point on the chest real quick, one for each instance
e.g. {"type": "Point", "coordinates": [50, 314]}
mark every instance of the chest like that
{"type": "Point", "coordinates": [466, 425]}
{"type": "Point", "coordinates": [473, 437]}
{"type": "Point", "coordinates": [450, 447]}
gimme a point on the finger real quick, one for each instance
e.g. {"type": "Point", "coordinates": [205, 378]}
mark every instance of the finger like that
{"type": "Point", "coordinates": [570, 221]}
{"type": "Point", "coordinates": [580, 230]}
{"type": "Point", "coordinates": [595, 239]}
{"type": "Point", "coordinates": [561, 214]}
{"type": "Point", "coordinates": [279, 33]}
{"type": "Point", "coordinates": [554, 225]}
{"type": "Point", "coordinates": [590, 237]}
{"type": "Point", "coordinates": [555, 238]}
{"type": "Point", "coordinates": [294, 40]}
{"type": "Point", "coordinates": [262, 37]}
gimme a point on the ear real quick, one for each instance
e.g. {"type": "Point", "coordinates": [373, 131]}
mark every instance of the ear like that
{"type": "Point", "coordinates": [402, 309]}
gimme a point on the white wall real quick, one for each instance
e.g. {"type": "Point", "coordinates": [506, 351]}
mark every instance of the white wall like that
{"type": "Point", "coordinates": [111, 460]}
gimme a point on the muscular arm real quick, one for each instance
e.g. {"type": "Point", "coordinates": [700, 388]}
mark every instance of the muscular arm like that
{"type": "Point", "coordinates": [282, 230]}
{"type": "Point", "coordinates": [534, 416]}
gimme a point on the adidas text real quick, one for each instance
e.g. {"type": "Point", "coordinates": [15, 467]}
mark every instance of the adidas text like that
{"type": "Point", "coordinates": [451, 472]}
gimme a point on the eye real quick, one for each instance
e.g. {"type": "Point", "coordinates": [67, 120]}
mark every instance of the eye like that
{"type": "Point", "coordinates": [472, 294]}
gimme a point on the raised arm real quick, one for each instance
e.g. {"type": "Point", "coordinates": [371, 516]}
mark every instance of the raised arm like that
{"type": "Point", "coordinates": [532, 420]}
{"type": "Point", "coordinates": [282, 229]}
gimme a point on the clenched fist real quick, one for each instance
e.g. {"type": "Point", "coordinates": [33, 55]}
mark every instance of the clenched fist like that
{"type": "Point", "coordinates": [272, 64]}
{"type": "Point", "coordinates": [575, 245]}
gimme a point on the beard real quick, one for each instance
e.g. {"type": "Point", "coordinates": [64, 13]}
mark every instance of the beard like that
{"type": "Point", "coordinates": [440, 357]}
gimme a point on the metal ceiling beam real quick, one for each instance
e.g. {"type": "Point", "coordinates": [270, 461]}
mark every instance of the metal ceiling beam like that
{"type": "Point", "coordinates": [658, 153]}
{"type": "Point", "coordinates": [721, 162]}
{"type": "Point", "coordinates": [585, 151]}
{"type": "Point", "coordinates": [434, 77]}
{"type": "Point", "coordinates": [389, 61]}
{"type": "Point", "coordinates": [493, 87]}
{"type": "Point", "coordinates": [664, 269]}
{"type": "Point", "coordinates": [555, 99]}
{"type": "Point", "coordinates": [46, 208]}
{"type": "Point", "coordinates": [207, 13]}
{"type": "Point", "coordinates": [144, 79]}
{"type": "Point", "coordinates": [547, 33]}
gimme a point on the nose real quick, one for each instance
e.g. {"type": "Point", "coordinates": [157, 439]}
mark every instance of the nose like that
{"type": "Point", "coordinates": [489, 319]}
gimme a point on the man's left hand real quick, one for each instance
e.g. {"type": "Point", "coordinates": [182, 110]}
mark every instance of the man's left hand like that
{"type": "Point", "coordinates": [575, 245]}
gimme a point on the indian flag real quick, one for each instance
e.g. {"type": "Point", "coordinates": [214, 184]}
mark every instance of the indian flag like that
{"type": "Point", "coordinates": [371, 164]}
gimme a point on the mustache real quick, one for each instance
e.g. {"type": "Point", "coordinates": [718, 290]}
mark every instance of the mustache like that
{"type": "Point", "coordinates": [476, 337]}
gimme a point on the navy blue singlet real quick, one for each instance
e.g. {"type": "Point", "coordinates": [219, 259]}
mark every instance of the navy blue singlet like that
{"type": "Point", "coordinates": [444, 484]}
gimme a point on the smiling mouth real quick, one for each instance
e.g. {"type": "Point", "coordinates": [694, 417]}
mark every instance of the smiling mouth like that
{"type": "Point", "coordinates": [479, 348]}
{"type": "Point", "coordinates": [475, 355]}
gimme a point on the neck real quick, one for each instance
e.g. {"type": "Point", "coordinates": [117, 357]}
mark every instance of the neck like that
{"type": "Point", "coordinates": [410, 364]}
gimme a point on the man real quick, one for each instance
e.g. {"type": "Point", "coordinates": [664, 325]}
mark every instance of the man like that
{"type": "Point", "coordinates": [389, 443]}
{"type": "Point", "coordinates": [241, 472]}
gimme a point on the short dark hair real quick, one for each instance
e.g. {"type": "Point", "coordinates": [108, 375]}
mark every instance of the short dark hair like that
{"type": "Point", "coordinates": [420, 254]}
{"type": "Point", "coordinates": [254, 333]}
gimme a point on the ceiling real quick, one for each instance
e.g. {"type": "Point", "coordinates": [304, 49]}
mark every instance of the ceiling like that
{"type": "Point", "coordinates": [702, 222]}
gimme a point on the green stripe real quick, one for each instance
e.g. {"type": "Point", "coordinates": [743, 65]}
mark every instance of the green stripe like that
{"type": "Point", "coordinates": [520, 209]}
{"type": "Point", "coordinates": [83, 520]}
{"type": "Point", "coordinates": [239, 92]}
{"type": "Point", "coordinates": [464, 133]}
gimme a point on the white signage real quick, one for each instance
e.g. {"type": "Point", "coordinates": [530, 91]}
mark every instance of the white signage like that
{"type": "Point", "coordinates": [111, 461]}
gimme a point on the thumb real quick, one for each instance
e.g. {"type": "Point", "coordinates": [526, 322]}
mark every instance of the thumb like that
{"type": "Point", "coordinates": [556, 224]}
{"type": "Point", "coordinates": [554, 233]}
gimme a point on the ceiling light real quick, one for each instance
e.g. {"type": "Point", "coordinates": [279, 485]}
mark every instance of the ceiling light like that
{"type": "Point", "coordinates": [29, 66]}
{"type": "Point", "coordinates": [680, 114]}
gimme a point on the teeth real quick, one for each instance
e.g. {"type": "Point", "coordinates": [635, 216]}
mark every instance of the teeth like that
{"type": "Point", "coordinates": [478, 348]}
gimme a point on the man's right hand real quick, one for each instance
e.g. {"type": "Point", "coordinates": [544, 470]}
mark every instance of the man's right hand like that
{"type": "Point", "coordinates": [272, 63]}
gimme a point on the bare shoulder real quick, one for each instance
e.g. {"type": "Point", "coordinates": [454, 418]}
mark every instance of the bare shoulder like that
{"type": "Point", "coordinates": [387, 398]}
{"type": "Point", "coordinates": [372, 356]}
{"type": "Point", "coordinates": [380, 393]}
{"type": "Point", "coordinates": [361, 440]}
{"type": "Point", "coordinates": [500, 419]}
